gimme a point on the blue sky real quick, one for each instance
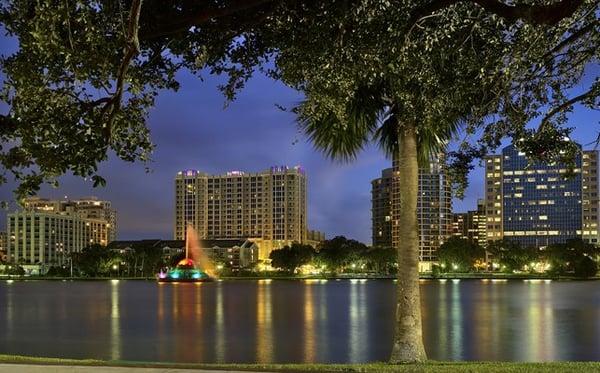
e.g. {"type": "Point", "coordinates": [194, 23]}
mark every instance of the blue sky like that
{"type": "Point", "coordinates": [192, 129]}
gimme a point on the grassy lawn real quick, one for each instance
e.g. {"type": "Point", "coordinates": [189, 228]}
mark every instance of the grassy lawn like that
{"type": "Point", "coordinates": [433, 366]}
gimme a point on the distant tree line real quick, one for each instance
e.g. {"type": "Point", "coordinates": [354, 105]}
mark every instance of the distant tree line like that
{"type": "Point", "coordinates": [574, 257]}
{"type": "Point", "coordinates": [101, 261]}
{"type": "Point", "coordinates": [456, 255]}
{"type": "Point", "coordinates": [338, 255]}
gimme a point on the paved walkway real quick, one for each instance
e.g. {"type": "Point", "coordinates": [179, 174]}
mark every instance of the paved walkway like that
{"type": "Point", "coordinates": [26, 368]}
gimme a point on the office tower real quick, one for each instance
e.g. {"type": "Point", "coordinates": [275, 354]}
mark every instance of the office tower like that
{"type": "Point", "coordinates": [268, 207]}
{"type": "Point", "coordinates": [434, 210]}
{"type": "Point", "coordinates": [471, 225]}
{"type": "Point", "coordinates": [46, 231]}
{"type": "Point", "coordinates": [537, 204]}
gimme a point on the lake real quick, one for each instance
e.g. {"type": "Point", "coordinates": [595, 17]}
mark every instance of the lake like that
{"type": "Point", "coordinates": [341, 321]}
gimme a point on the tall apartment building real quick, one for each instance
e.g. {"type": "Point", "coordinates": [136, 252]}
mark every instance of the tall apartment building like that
{"type": "Point", "coordinates": [471, 225]}
{"type": "Point", "coordinates": [268, 207]}
{"type": "Point", "coordinates": [434, 210]}
{"type": "Point", "coordinates": [381, 209]}
{"type": "Point", "coordinates": [536, 204]}
{"type": "Point", "coordinates": [3, 246]}
{"type": "Point", "coordinates": [45, 231]}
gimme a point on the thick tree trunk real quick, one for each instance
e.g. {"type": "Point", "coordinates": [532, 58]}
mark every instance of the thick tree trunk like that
{"type": "Point", "coordinates": [408, 340]}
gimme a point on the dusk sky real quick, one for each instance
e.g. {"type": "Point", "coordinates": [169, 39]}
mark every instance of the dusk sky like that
{"type": "Point", "coordinates": [192, 130]}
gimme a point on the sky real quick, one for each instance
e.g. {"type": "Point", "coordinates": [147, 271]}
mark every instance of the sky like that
{"type": "Point", "coordinates": [193, 130]}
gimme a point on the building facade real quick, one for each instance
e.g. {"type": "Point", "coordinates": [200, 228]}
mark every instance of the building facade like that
{"type": "Point", "coordinates": [538, 204]}
{"type": "Point", "coordinates": [46, 231]}
{"type": "Point", "coordinates": [471, 225]}
{"type": "Point", "coordinates": [234, 254]}
{"type": "Point", "coordinates": [314, 238]}
{"type": "Point", "coordinates": [434, 210]}
{"type": "Point", "coordinates": [381, 209]}
{"type": "Point", "coordinates": [268, 207]}
{"type": "Point", "coordinates": [3, 247]}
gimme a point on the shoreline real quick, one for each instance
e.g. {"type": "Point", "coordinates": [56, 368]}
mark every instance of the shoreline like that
{"type": "Point", "coordinates": [25, 362]}
{"type": "Point", "coordinates": [453, 276]}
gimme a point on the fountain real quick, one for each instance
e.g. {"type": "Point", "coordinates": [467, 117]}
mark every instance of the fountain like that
{"type": "Point", "coordinates": [198, 268]}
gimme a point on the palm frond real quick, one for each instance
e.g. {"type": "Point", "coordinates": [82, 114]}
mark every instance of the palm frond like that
{"type": "Point", "coordinates": [341, 132]}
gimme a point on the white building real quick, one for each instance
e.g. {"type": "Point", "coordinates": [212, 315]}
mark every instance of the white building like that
{"type": "Point", "coordinates": [47, 231]}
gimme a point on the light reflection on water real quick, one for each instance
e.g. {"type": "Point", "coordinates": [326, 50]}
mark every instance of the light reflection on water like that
{"type": "Point", "coordinates": [297, 321]}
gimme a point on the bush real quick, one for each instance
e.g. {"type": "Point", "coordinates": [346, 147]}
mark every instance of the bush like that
{"type": "Point", "coordinates": [585, 267]}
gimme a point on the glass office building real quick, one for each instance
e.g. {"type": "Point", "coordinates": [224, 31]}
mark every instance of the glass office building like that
{"type": "Point", "coordinates": [537, 204]}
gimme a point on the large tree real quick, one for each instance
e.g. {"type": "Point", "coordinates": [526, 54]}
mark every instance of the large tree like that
{"type": "Point", "coordinates": [410, 74]}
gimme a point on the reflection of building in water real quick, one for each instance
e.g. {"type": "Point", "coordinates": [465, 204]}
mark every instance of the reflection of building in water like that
{"type": "Point", "coordinates": [268, 207]}
{"type": "Point", "coordinates": [264, 326]}
{"type": "Point", "coordinates": [359, 332]}
{"type": "Point", "coordinates": [45, 231]}
{"type": "Point", "coordinates": [235, 254]}
{"type": "Point", "coordinates": [115, 321]}
{"type": "Point", "coordinates": [310, 344]}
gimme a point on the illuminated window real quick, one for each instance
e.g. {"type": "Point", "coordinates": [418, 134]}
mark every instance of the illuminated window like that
{"type": "Point", "coordinates": [543, 217]}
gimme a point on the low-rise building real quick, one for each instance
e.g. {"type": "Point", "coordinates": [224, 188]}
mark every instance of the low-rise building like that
{"type": "Point", "coordinates": [314, 238]}
{"type": "Point", "coordinates": [45, 232]}
{"type": "Point", "coordinates": [235, 254]}
{"type": "Point", "coordinates": [471, 225]}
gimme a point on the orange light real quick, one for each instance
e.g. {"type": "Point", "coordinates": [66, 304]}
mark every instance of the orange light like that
{"type": "Point", "coordinates": [186, 262]}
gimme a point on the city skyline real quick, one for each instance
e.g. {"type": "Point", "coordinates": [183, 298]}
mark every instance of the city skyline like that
{"type": "Point", "coordinates": [191, 129]}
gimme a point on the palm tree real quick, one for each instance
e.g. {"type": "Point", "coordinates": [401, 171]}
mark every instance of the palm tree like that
{"type": "Point", "coordinates": [370, 115]}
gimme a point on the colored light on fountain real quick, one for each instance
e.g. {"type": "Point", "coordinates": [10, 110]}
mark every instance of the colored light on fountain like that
{"type": "Point", "coordinates": [174, 275]}
{"type": "Point", "coordinates": [186, 262]}
{"type": "Point", "coordinates": [162, 275]}
{"type": "Point", "coordinates": [196, 275]}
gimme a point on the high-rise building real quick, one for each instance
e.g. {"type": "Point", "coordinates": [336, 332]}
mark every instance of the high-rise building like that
{"type": "Point", "coordinates": [471, 225]}
{"type": "Point", "coordinates": [268, 207]}
{"type": "Point", "coordinates": [538, 204]}
{"type": "Point", "coordinates": [434, 210]}
{"type": "Point", "coordinates": [381, 209]}
{"type": "Point", "coordinates": [3, 246]}
{"type": "Point", "coordinates": [45, 231]}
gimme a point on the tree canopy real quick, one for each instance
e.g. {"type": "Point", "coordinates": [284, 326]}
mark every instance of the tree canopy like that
{"type": "Point", "coordinates": [290, 257]}
{"type": "Point", "coordinates": [87, 72]}
{"type": "Point", "coordinates": [459, 254]}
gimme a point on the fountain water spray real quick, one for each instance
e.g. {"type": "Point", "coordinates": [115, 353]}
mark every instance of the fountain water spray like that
{"type": "Point", "coordinates": [199, 256]}
{"type": "Point", "coordinates": [195, 267]}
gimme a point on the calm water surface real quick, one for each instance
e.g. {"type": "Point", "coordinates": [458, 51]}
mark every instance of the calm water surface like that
{"type": "Point", "coordinates": [296, 321]}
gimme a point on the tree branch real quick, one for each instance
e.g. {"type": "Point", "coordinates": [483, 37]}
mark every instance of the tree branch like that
{"type": "Point", "coordinates": [536, 14]}
{"type": "Point", "coordinates": [571, 38]}
{"type": "Point", "coordinates": [132, 48]}
{"type": "Point", "coordinates": [592, 92]}
{"type": "Point", "coordinates": [203, 15]}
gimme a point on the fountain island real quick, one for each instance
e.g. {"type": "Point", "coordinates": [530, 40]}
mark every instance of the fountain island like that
{"type": "Point", "coordinates": [187, 270]}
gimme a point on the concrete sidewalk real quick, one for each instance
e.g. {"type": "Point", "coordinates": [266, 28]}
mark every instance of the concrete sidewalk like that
{"type": "Point", "coordinates": [30, 368]}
